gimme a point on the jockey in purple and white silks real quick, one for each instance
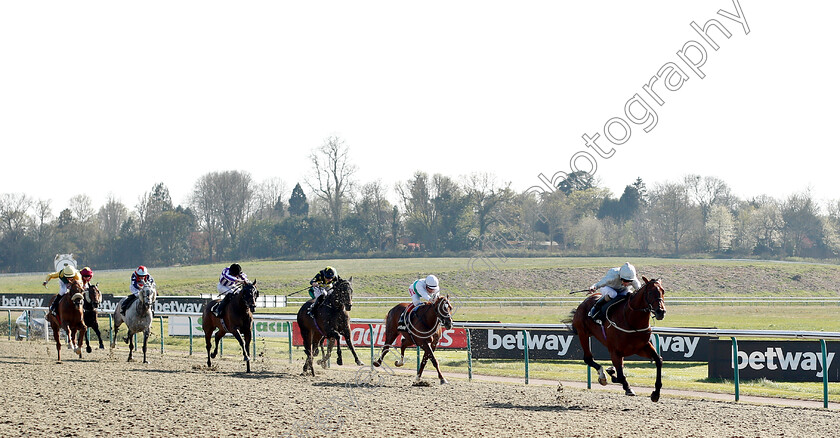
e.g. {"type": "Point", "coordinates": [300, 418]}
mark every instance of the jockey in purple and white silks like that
{"type": "Point", "coordinates": [230, 281]}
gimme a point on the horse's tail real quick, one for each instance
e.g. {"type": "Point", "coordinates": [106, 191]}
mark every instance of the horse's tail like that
{"type": "Point", "coordinates": [569, 317]}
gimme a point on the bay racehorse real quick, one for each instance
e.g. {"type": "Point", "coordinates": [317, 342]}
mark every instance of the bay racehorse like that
{"type": "Point", "coordinates": [423, 328]}
{"type": "Point", "coordinates": [138, 318]}
{"type": "Point", "coordinates": [331, 321]}
{"type": "Point", "coordinates": [70, 318]}
{"type": "Point", "coordinates": [92, 300]}
{"type": "Point", "coordinates": [237, 318]}
{"type": "Point", "coordinates": [626, 331]}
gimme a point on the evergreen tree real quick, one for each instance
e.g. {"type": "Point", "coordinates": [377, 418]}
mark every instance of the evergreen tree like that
{"type": "Point", "coordinates": [297, 202]}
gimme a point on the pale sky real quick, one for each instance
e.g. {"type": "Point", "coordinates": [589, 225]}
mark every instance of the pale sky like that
{"type": "Point", "coordinates": [112, 97]}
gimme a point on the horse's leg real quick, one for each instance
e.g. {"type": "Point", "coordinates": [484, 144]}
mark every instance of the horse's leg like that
{"type": "Point", "coordinates": [426, 353]}
{"type": "Point", "coordinates": [130, 340]}
{"type": "Point", "coordinates": [239, 339]}
{"type": "Point", "coordinates": [56, 336]}
{"type": "Point", "coordinates": [589, 359]}
{"type": "Point", "coordinates": [247, 336]}
{"type": "Point", "coordinates": [618, 373]}
{"type": "Point", "coordinates": [650, 352]}
{"type": "Point", "coordinates": [325, 359]}
{"type": "Point", "coordinates": [145, 339]}
{"type": "Point", "coordinates": [219, 335]}
{"type": "Point", "coordinates": [117, 323]}
{"type": "Point", "coordinates": [208, 344]}
{"type": "Point", "coordinates": [95, 326]}
{"type": "Point", "coordinates": [87, 343]}
{"type": "Point", "coordinates": [81, 335]}
{"type": "Point", "coordinates": [346, 333]}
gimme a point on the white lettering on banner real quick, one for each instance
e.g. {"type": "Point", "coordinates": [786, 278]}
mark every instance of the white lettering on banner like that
{"type": "Point", "coordinates": [23, 302]}
{"type": "Point", "coordinates": [176, 306]}
{"type": "Point", "coordinates": [808, 361]}
{"type": "Point", "coordinates": [680, 344]}
{"type": "Point", "coordinates": [535, 341]}
{"type": "Point", "coordinates": [180, 326]}
{"type": "Point", "coordinates": [361, 337]}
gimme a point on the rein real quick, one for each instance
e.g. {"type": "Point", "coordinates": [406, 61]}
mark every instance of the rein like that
{"type": "Point", "coordinates": [648, 309]}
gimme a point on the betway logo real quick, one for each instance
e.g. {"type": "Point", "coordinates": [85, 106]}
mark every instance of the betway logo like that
{"type": "Point", "coordinates": [536, 341]}
{"type": "Point", "coordinates": [775, 358]}
{"type": "Point", "coordinates": [23, 302]}
{"type": "Point", "coordinates": [681, 344]}
{"type": "Point", "coordinates": [175, 306]}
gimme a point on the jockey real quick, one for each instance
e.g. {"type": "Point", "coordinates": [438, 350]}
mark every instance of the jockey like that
{"type": "Point", "coordinates": [229, 282]}
{"type": "Point", "coordinates": [139, 278]}
{"type": "Point", "coordinates": [427, 288]}
{"type": "Point", "coordinates": [615, 284]}
{"type": "Point", "coordinates": [87, 276]}
{"type": "Point", "coordinates": [320, 286]}
{"type": "Point", "coordinates": [65, 275]}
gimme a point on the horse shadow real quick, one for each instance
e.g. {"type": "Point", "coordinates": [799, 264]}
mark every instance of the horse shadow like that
{"type": "Point", "coordinates": [533, 408]}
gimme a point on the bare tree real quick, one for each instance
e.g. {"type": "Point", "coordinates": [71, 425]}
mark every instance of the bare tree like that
{"type": "Point", "coordinates": [14, 215]}
{"type": "Point", "coordinates": [203, 201]}
{"type": "Point", "coordinates": [82, 208]}
{"type": "Point", "coordinates": [268, 198]}
{"type": "Point", "coordinates": [222, 202]}
{"type": "Point", "coordinates": [111, 217]}
{"type": "Point", "coordinates": [487, 196]}
{"type": "Point", "coordinates": [674, 214]}
{"type": "Point", "coordinates": [332, 181]}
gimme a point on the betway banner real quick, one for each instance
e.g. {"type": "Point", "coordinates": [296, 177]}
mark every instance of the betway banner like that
{"type": "Point", "coordinates": [109, 302]}
{"type": "Point", "coordinates": [783, 361]}
{"type": "Point", "coordinates": [360, 333]}
{"type": "Point", "coordinates": [180, 326]}
{"type": "Point", "coordinates": [510, 344]}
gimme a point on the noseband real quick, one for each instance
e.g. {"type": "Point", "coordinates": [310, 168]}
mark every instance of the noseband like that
{"type": "Point", "coordinates": [650, 287]}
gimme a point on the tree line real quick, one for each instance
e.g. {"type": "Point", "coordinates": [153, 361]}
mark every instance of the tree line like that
{"type": "Point", "coordinates": [229, 216]}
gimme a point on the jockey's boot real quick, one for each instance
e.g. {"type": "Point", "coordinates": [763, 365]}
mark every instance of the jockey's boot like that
{"type": "Point", "coordinates": [595, 311]}
{"type": "Point", "coordinates": [128, 300]}
{"type": "Point", "coordinates": [314, 307]}
{"type": "Point", "coordinates": [220, 307]}
{"type": "Point", "coordinates": [54, 305]}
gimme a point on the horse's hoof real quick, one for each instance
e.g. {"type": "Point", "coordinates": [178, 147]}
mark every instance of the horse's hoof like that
{"type": "Point", "coordinates": [654, 396]}
{"type": "Point", "coordinates": [247, 359]}
{"type": "Point", "coordinates": [602, 381]}
{"type": "Point", "coordinates": [339, 362]}
{"type": "Point", "coordinates": [398, 363]}
{"type": "Point", "coordinates": [376, 363]}
{"type": "Point", "coordinates": [213, 356]}
{"type": "Point", "coordinates": [88, 349]}
{"type": "Point", "coordinates": [630, 393]}
{"type": "Point", "coordinates": [130, 360]}
{"type": "Point", "coordinates": [101, 347]}
{"type": "Point", "coordinates": [360, 363]}
{"type": "Point", "coordinates": [125, 339]}
{"type": "Point", "coordinates": [145, 361]}
{"type": "Point", "coordinates": [443, 381]}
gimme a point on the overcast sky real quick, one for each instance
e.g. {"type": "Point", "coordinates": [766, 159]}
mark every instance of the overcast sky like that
{"type": "Point", "coordinates": [112, 97]}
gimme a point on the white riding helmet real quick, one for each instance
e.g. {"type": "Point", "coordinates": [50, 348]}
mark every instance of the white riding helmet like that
{"type": "Point", "coordinates": [69, 271]}
{"type": "Point", "coordinates": [627, 272]}
{"type": "Point", "coordinates": [432, 283]}
{"type": "Point", "coordinates": [141, 271]}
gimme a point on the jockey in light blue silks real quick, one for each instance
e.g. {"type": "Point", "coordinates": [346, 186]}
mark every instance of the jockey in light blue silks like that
{"type": "Point", "coordinates": [616, 283]}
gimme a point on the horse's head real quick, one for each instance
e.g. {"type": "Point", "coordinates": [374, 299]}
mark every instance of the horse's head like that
{"type": "Point", "coordinates": [654, 297]}
{"type": "Point", "coordinates": [93, 296]}
{"type": "Point", "coordinates": [76, 291]}
{"type": "Point", "coordinates": [343, 293]}
{"type": "Point", "coordinates": [249, 294]}
{"type": "Point", "coordinates": [444, 311]}
{"type": "Point", "coordinates": [148, 295]}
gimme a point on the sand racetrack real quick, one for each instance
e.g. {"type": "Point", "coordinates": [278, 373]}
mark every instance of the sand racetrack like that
{"type": "Point", "coordinates": [177, 395]}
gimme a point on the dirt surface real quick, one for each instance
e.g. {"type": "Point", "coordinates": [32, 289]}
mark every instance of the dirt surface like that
{"type": "Point", "coordinates": [177, 395]}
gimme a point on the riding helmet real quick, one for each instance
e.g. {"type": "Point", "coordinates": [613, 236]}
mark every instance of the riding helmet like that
{"type": "Point", "coordinates": [432, 283]}
{"type": "Point", "coordinates": [329, 273]}
{"type": "Point", "coordinates": [627, 272]}
{"type": "Point", "coordinates": [235, 269]}
{"type": "Point", "coordinates": [141, 271]}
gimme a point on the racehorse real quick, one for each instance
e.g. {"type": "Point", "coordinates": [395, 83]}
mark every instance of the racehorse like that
{"type": "Point", "coordinates": [138, 318]}
{"type": "Point", "coordinates": [92, 299]}
{"type": "Point", "coordinates": [331, 321]}
{"type": "Point", "coordinates": [236, 318]}
{"type": "Point", "coordinates": [626, 331]}
{"type": "Point", "coordinates": [423, 328]}
{"type": "Point", "coordinates": [70, 318]}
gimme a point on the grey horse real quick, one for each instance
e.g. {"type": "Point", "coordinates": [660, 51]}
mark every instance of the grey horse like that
{"type": "Point", "coordinates": [138, 318]}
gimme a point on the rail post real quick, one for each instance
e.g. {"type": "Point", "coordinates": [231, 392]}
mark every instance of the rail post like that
{"type": "Point", "coordinates": [110, 329]}
{"type": "Point", "coordinates": [370, 327]}
{"type": "Point", "coordinates": [254, 337]}
{"type": "Point", "coordinates": [189, 321]}
{"type": "Point", "coordinates": [418, 358]}
{"type": "Point", "coordinates": [589, 368]}
{"type": "Point", "coordinates": [825, 375]}
{"type": "Point", "coordinates": [735, 367]}
{"type": "Point", "coordinates": [28, 319]}
{"type": "Point", "coordinates": [469, 355]}
{"type": "Point", "coordinates": [289, 332]}
{"type": "Point", "coordinates": [161, 334]}
{"type": "Point", "coordinates": [525, 333]}
{"type": "Point", "coordinates": [10, 324]}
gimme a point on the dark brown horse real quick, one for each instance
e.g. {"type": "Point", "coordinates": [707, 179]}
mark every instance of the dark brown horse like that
{"type": "Point", "coordinates": [70, 318]}
{"type": "Point", "coordinates": [92, 299]}
{"type": "Point", "coordinates": [332, 320]}
{"type": "Point", "coordinates": [237, 318]}
{"type": "Point", "coordinates": [626, 331]}
{"type": "Point", "coordinates": [423, 328]}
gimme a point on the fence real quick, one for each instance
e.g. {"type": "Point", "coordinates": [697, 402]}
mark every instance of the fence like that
{"type": "Point", "coordinates": [524, 328]}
